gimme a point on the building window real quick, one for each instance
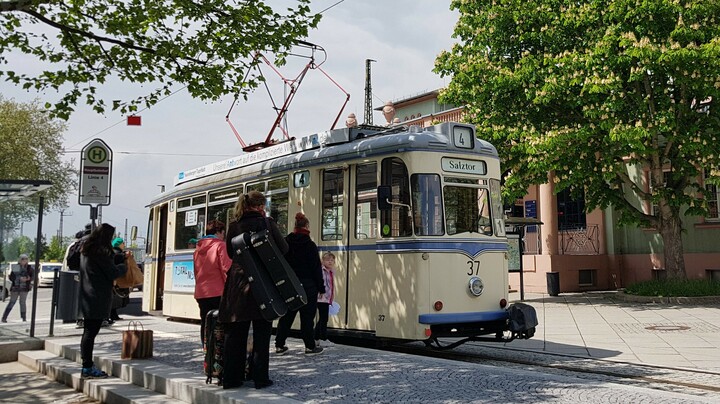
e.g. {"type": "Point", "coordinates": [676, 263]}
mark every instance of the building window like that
{"type": "Point", "coordinates": [571, 211]}
{"type": "Point", "coordinates": [713, 200]}
{"type": "Point", "coordinates": [654, 207]}
{"type": "Point", "coordinates": [586, 277]}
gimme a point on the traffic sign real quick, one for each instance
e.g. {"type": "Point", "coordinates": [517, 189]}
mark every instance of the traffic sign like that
{"type": "Point", "coordinates": [95, 174]}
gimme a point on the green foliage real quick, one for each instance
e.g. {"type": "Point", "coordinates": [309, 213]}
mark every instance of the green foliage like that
{"type": "Point", "coordinates": [31, 149]}
{"type": "Point", "coordinates": [588, 89]}
{"type": "Point", "coordinates": [55, 252]}
{"type": "Point", "coordinates": [674, 288]}
{"type": "Point", "coordinates": [19, 245]}
{"type": "Point", "coordinates": [207, 46]}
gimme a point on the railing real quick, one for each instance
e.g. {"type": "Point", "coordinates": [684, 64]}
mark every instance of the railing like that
{"type": "Point", "coordinates": [582, 241]}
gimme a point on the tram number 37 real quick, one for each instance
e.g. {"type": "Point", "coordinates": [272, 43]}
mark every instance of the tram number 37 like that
{"type": "Point", "coordinates": [474, 267]}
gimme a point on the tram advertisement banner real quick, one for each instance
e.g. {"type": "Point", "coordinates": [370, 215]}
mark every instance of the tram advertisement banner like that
{"type": "Point", "coordinates": [183, 276]}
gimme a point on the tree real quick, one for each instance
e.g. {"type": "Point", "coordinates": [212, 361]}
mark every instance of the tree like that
{"type": "Point", "coordinates": [55, 251]}
{"type": "Point", "coordinates": [19, 245]}
{"type": "Point", "coordinates": [207, 46]}
{"type": "Point", "coordinates": [587, 90]}
{"type": "Point", "coordinates": [30, 148]}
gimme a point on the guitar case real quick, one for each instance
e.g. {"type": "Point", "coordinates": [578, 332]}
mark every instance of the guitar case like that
{"type": "Point", "coordinates": [282, 274]}
{"type": "Point", "coordinates": [272, 306]}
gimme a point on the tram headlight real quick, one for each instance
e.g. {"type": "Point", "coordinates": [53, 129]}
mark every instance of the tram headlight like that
{"type": "Point", "coordinates": [476, 286]}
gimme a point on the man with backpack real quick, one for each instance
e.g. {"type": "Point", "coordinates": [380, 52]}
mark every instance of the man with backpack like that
{"type": "Point", "coordinates": [71, 262]}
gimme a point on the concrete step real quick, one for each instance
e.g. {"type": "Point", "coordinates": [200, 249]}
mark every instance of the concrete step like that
{"type": "Point", "coordinates": [111, 390]}
{"type": "Point", "coordinates": [156, 379]}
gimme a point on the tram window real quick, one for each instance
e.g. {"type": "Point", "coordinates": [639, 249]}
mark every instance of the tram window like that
{"type": "Point", "coordinates": [427, 204]}
{"type": "Point", "coordinates": [467, 210]}
{"type": "Point", "coordinates": [189, 224]}
{"type": "Point", "coordinates": [366, 201]}
{"type": "Point", "coordinates": [221, 204]}
{"type": "Point", "coordinates": [148, 236]}
{"type": "Point", "coordinates": [396, 222]}
{"type": "Point", "coordinates": [277, 202]}
{"type": "Point", "coordinates": [497, 208]}
{"type": "Point", "coordinates": [258, 186]}
{"type": "Point", "coordinates": [332, 203]}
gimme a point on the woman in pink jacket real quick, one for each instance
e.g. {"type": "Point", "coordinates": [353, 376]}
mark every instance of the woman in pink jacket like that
{"type": "Point", "coordinates": [211, 263]}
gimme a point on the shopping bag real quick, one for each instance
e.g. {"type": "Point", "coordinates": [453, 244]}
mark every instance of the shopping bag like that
{"type": "Point", "coordinates": [133, 277]}
{"type": "Point", "coordinates": [137, 343]}
{"type": "Point", "coordinates": [334, 309]}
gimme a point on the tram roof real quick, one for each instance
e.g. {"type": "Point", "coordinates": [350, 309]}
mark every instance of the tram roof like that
{"type": "Point", "coordinates": [324, 148]}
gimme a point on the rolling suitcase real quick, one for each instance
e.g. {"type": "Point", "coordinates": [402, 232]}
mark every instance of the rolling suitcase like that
{"type": "Point", "coordinates": [214, 344]}
{"type": "Point", "coordinates": [263, 289]}
{"type": "Point", "coordinates": [284, 277]}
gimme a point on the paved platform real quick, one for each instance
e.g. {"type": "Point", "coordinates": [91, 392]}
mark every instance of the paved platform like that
{"type": "Point", "coordinates": [592, 331]}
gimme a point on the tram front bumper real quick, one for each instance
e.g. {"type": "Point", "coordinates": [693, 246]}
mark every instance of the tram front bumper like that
{"type": "Point", "coordinates": [466, 324]}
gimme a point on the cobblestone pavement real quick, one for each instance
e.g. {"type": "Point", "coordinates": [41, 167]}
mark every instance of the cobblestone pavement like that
{"type": "Point", "coordinates": [587, 349]}
{"type": "Point", "coordinates": [352, 374]}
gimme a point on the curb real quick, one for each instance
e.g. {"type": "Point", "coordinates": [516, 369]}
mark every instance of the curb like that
{"type": "Point", "coordinates": [622, 296]}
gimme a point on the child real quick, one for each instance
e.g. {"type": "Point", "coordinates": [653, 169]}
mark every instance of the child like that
{"type": "Point", "coordinates": [325, 299]}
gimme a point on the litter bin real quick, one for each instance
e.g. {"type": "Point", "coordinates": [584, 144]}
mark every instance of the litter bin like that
{"type": "Point", "coordinates": [553, 283]}
{"type": "Point", "coordinates": [68, 295]}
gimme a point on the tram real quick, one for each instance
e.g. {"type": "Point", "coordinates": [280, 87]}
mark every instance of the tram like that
{"type": "Point", "coordinates": [413, 215]}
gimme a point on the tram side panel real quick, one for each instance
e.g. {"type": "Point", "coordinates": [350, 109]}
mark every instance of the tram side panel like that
{"type": "Point", "coordinates": [399, 291]}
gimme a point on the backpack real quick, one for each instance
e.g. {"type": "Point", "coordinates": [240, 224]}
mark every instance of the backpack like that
{"type": "Point", "coordinates": [73, 255]}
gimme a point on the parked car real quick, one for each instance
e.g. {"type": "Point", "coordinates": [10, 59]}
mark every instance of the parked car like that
{"type": "Point", "coordinates": [47, 272]}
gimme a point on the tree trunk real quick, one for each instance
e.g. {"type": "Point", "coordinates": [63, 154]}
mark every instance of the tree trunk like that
{"type": "Point", "coordinates": [671, 232]}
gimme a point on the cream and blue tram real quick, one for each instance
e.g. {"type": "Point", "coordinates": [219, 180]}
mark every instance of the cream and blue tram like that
{"type": "Point", "coordinates": [413, 215]}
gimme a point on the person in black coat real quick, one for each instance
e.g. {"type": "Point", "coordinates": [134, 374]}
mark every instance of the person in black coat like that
{"type": "Point", "coordinates": [99, 267]}
{"type": "Point", "coordinates": [304, 258]}
{"type": "Point", "coordinates": [238, 307]}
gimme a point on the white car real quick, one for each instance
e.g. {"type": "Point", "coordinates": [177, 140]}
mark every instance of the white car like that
{"type": "Point", "coordinates": [47, 272]}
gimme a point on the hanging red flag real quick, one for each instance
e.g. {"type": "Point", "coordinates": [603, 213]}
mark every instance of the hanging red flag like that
{"type": "Point", "coordinates": [134, 120]}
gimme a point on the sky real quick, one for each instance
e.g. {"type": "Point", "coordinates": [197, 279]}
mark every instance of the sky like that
{"type": "Point", "coordinates": [180, 133]}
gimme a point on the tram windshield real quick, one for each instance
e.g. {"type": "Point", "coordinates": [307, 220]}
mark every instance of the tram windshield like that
{"type": "Point", "coordinates": [467, 208]}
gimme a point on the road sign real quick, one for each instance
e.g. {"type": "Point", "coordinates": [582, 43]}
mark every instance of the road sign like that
{"type": "Point", "coordinates": [95, 173]}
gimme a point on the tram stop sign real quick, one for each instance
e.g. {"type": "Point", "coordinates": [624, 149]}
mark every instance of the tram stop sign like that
{"type": "Point", "coordinates": [95, 173]}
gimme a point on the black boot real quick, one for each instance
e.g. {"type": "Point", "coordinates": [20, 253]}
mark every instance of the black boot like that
{"type": "Point", "coordinates": [23, 316]}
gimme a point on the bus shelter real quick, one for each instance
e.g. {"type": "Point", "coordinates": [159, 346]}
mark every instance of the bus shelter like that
{"type": "Point", "coordinates": [17, 190]}
{"type": "Point", "coordinates": [516, 245]}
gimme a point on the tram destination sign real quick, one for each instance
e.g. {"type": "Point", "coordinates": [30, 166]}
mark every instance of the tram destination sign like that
{"type": "Point", "coordinates": [95, 174]}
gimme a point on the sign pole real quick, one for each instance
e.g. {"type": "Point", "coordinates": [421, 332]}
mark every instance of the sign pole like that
{"type": "Point", "coordinates": [95, 177]}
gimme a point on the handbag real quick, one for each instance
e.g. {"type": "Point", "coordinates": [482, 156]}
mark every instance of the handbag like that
{"type": "Point", "coordinates": [133, 277]}
{"type": "Point", "coordinates": [137, 343]}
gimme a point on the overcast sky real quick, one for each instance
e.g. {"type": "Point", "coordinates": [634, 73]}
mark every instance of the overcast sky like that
{"type": "Point", "coordinates": [404, 37]}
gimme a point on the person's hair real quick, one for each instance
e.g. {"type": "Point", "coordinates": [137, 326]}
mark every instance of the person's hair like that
{"type": "Point", "coordinates": [328, 254]}
{"type": "Point", "coordinates": [100, 241]}
{"type": "Point", "coordinates": [252, 199]}
{"type": "Point", "coordinates": [214, 227]}
{"type": "Point", "coordinates": [301, 221]}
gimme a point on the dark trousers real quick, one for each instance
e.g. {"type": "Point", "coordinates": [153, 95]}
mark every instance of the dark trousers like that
{"type": "Point", "coordinates": [91, 328]}
{"type": "Point", "coordinates": [321, 326]}
{"type": "Point", "coordinates": [236, 337]}
{"type": "Point", "coordinates": [307, 318]}
{"type": "Point", "coordinates": [206, 304]}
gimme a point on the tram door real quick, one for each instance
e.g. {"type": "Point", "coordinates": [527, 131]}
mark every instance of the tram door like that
{"type": "Point", "coordinates": [161, 246]}
{"type": "Point", "coordinates": [334, 233]}
{"type": "Point", "coordinates": [362, 235]}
